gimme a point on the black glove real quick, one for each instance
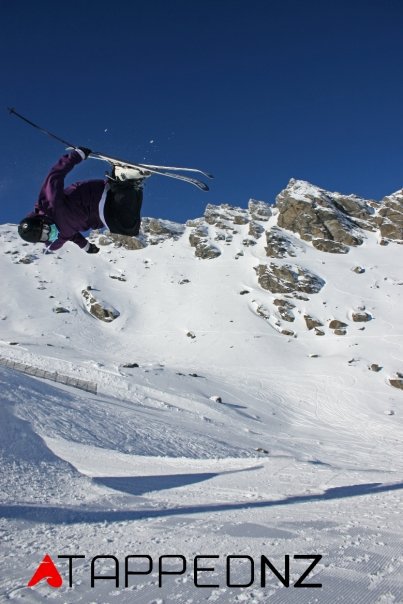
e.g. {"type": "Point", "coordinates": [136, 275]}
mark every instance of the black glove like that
{"type": "Point", "coordinates": [93, 249]}
{"type": "Point", "coordinates": [86, 151]}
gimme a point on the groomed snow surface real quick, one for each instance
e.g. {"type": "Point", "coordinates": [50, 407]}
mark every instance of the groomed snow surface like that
{"type": "Point", "coordinates": [223, 437]}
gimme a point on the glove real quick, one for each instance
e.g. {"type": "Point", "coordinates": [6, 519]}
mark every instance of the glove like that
{"type": "Point", "coordinates": [85, 150]}
{"type": "Point", "coordinates": [92, 249]}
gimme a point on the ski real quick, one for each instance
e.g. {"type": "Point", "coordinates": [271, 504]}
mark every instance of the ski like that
{"type": "Point", "coordinates": [178, 169]}
{"type": "Point", "coordinates": [161, 172]}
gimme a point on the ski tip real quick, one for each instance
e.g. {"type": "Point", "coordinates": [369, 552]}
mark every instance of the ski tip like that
{"type": "Point", "coordinates": [209, 175]}
{"type": "Point", "coordinates": [11, 109]}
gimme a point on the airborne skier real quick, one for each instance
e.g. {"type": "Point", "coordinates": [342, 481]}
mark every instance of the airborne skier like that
{"type": "Point", "coordinates": [61, 214]}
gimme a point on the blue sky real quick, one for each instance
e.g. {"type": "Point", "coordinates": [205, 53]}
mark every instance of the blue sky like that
{"type": "Point", "coordinates": [256, 92]}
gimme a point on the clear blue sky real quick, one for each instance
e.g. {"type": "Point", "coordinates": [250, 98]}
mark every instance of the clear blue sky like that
{"type": "Point", "coordinates": [255, 91]}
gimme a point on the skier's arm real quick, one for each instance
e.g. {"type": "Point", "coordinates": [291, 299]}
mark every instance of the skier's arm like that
{"type": "Point", "coordinates": [53, 187]}
{"type": "Point", "coordinates": [77, 238]}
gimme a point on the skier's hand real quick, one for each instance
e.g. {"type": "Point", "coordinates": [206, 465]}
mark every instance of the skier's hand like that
{"type": "Point", "coordinates": [85, 150]}
{"type": "Point", "coordinates": [92, 249]}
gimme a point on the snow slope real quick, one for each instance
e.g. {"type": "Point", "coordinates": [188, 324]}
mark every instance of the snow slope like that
{"type": "Point", "coordinates": [211, 433]}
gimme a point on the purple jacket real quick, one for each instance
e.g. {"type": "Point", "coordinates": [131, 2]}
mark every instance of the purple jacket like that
{"type": "Point", "coordinates": [73, 209]}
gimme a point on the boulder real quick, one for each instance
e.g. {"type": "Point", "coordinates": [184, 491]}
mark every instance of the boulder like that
{"type": "Point", "coordinates": [360, 316]}
{"type": "Point", "coordinates": [288, 278]}
{"type": "Point", "coordinates": [311, 322]}
{"type": "Point", "coordinates": [99, 309]}
{"type": "Point", "coordinates": [336, 324]}
{"type": "Point", "coordinates": [396, 382]}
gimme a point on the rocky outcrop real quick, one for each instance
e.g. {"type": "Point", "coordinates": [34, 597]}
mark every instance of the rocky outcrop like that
{"type": "Point", "coordinates": [124, 241]}
{"type": "Point", "coordinates": [288, 278]}
{"type": "Point", "coordinates": [198, 235]}
{"type": "Point", "coordinates": [156, 230]}
{"type": "Point", "coordinates": [153, 231]}
{"type": "Point", "coordinates": [206, 251]}
{"type": "Point", "coordinates": [255, 229]}
{"type": "Point", "coordinates": [316, 214]}
{"type": "Point", "coordinates": [278, 244]}
{"type": "Point", "coordinates": [225, 213]}
{"type": "Point", "coordinates": [198, 239]}
{"type": "Point", "coordinates": [390, 216]}
{"type": "Point", "coordinates": [332, 247]}
{"type": "Point", "coordinates": [259, 210]}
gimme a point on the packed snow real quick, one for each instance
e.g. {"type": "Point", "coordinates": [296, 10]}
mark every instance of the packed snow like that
{"type": "Point", "coordinates": [212, 437]}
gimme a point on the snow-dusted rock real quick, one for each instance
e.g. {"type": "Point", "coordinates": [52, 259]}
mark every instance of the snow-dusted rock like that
{"type": "Point", "coordinates": [259, 210]}
{"type": "Point", "coordinates": [124, 241]}
{"type": "Point", "coordinates": [288, 278]}
{"type": "Point", "coordinates": [98, 308]}
{"type": "Point", "coordinates": [390, 216]}
{"type": "Point", "coordinates": [314, 213]}
{"type": "Point", "coordinates": [278, 244]}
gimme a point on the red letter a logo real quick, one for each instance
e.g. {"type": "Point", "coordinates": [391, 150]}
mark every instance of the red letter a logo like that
{"type": "Point", "coordinates": [46, 570]}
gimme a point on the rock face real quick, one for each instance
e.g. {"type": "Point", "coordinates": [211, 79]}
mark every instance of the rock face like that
{"type": "Point", "coordinates": [328, 219]}
{"type": "Point", "coordinates": [333, 220]}
{"type": "Point", "coordinates": [390, 217]}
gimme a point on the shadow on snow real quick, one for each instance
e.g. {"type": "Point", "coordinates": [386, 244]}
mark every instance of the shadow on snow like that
{"type": "Point", "coordinates": [136, 486]}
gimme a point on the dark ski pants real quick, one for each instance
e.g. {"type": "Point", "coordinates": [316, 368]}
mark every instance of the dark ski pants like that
{"type": "Point", "coordinates": [123, 206]}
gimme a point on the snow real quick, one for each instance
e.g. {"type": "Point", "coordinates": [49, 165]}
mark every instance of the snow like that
{"type": "Point", "coordinates": [233, 441]}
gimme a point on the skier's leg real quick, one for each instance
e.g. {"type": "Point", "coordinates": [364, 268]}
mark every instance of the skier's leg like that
{"type": "Point", "coordinates": [123, 206]}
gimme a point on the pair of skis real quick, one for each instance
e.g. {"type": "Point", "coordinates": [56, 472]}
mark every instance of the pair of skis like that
{"type": "Point", "coordinates": [169, 171]}
{"type": "Point", "coordinates": [161, 170]}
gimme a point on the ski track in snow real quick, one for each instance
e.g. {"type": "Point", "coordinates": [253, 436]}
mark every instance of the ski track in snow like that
{"type": "Point", "coordinates": [302, 455]}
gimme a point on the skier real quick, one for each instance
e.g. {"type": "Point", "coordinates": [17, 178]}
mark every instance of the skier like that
{"type": "Point", "coordinates": [61, 213]}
